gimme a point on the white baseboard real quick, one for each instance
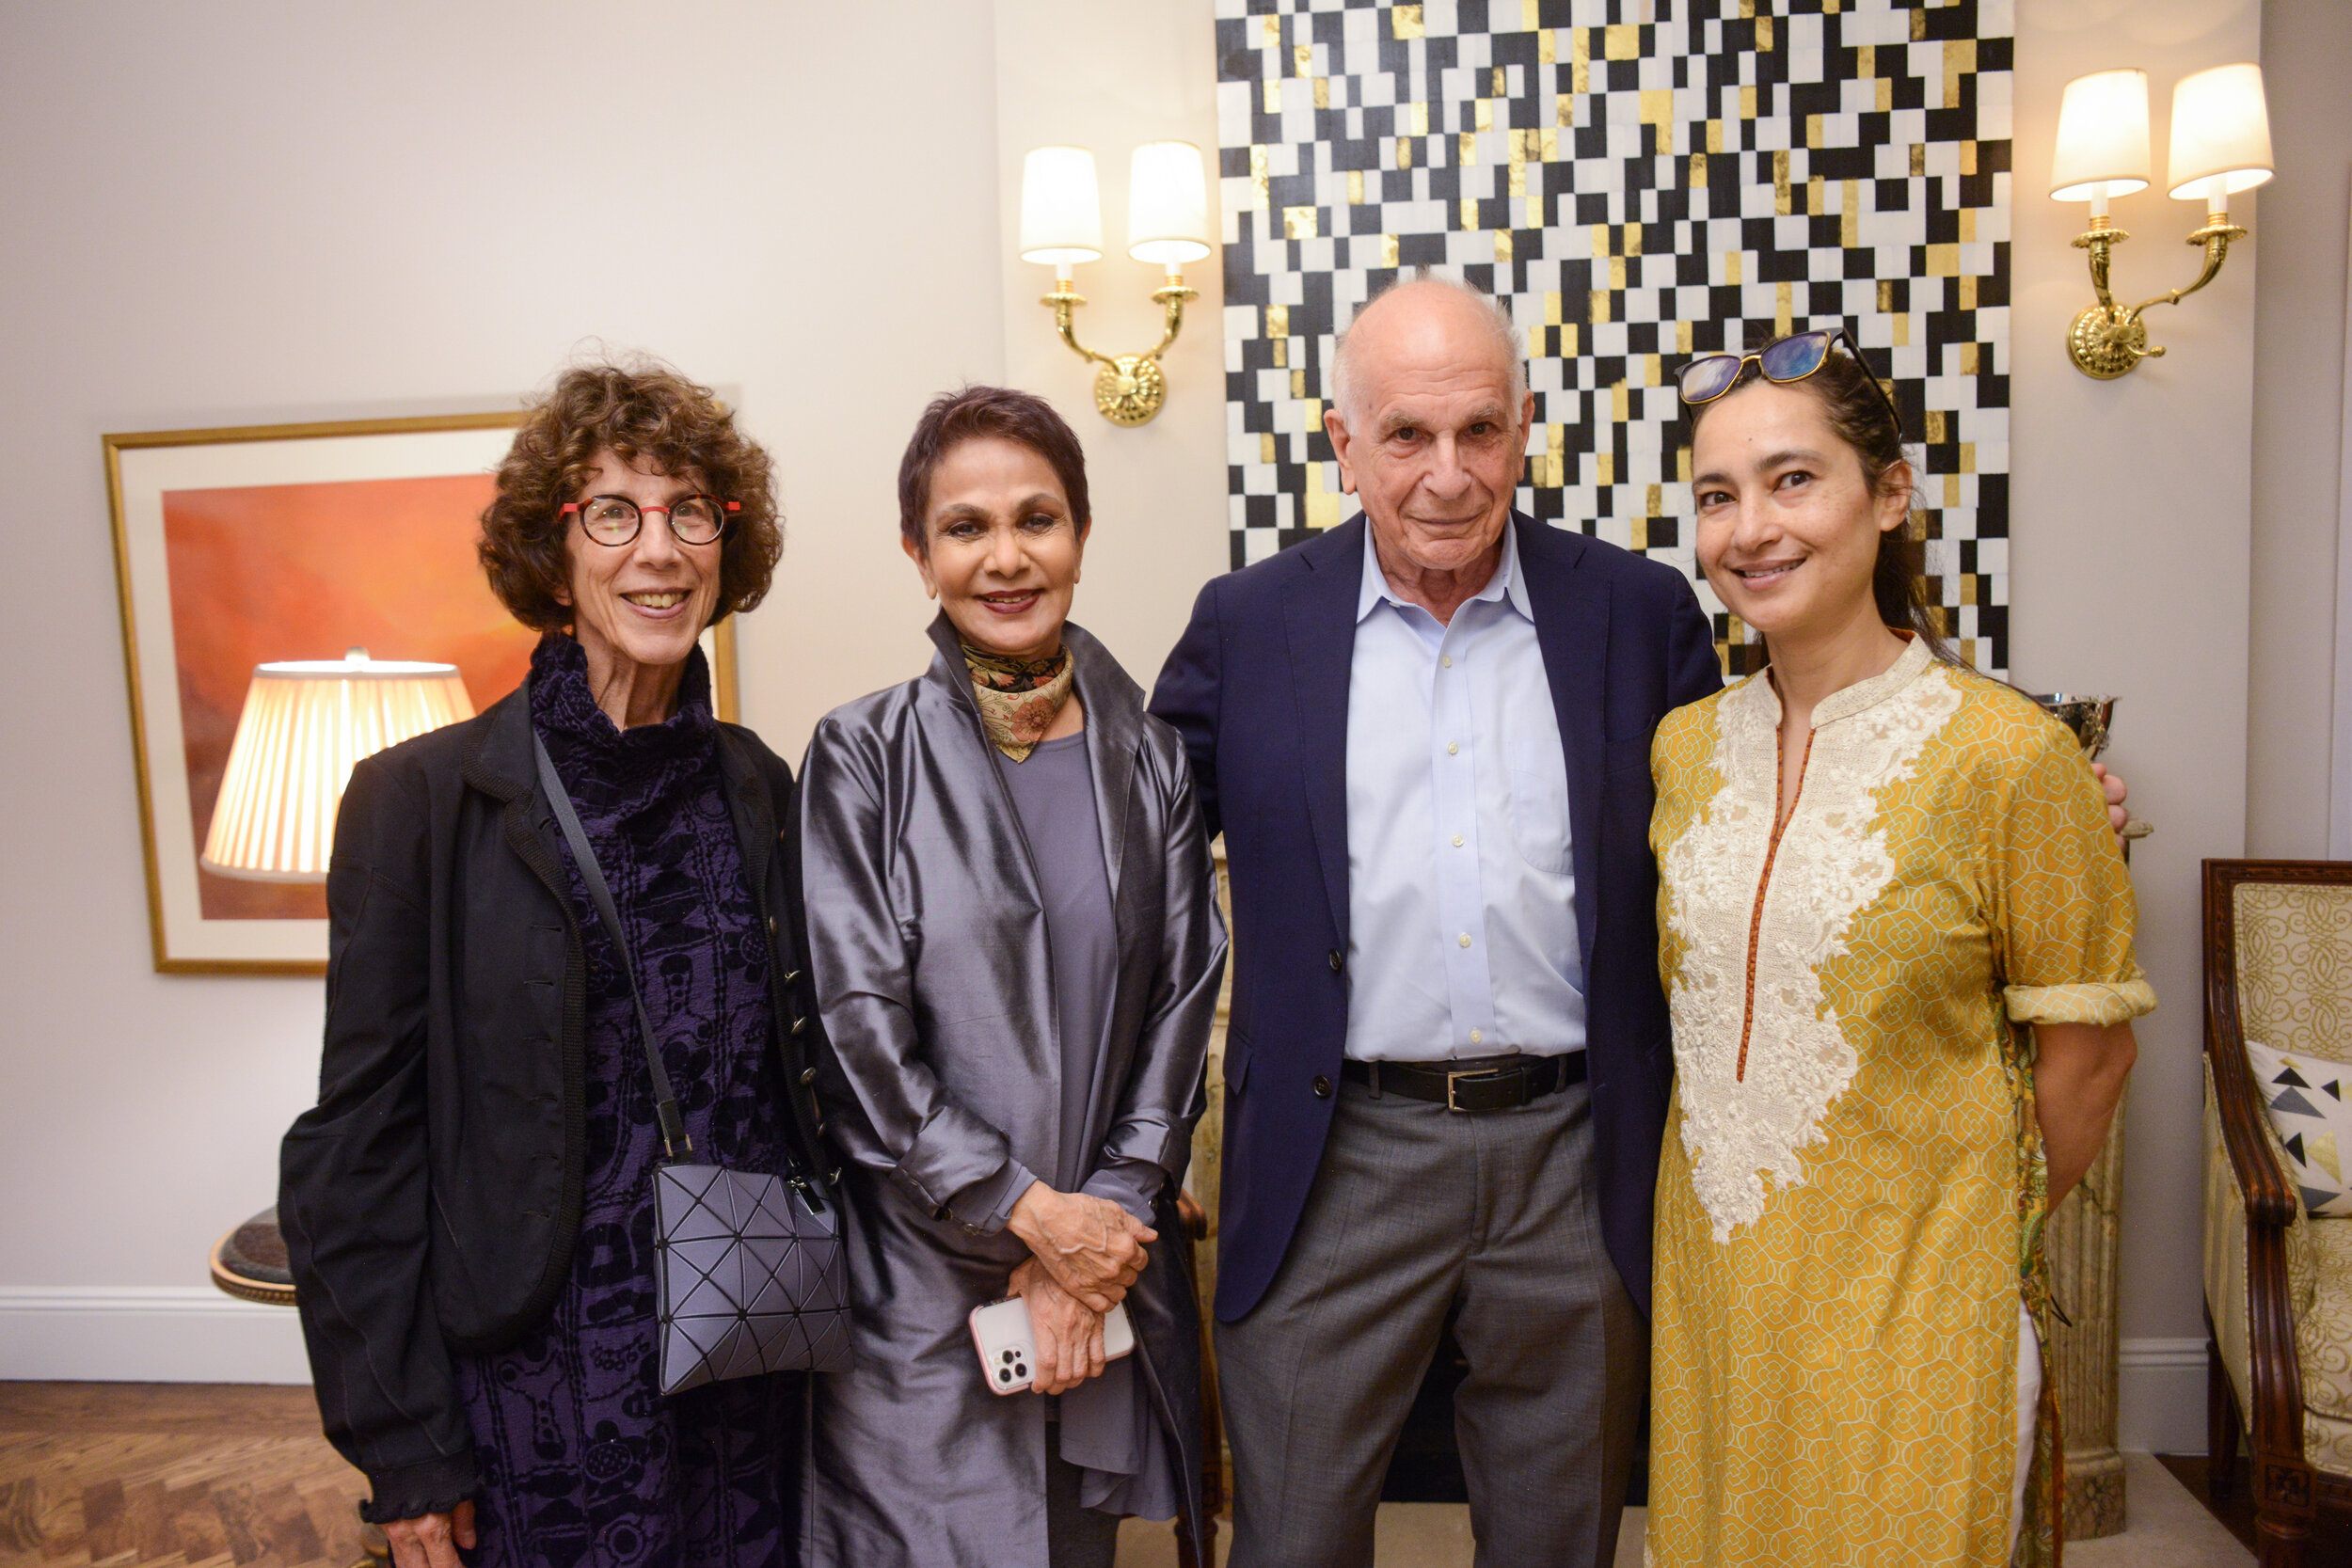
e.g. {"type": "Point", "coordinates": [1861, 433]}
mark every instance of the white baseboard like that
{"type": "Point", "coordinates": [2160, 1396]}
{"type": "Point", "coordinates": [194, 1334]}
{"type": "Point", "coordinates": [146, 1334]}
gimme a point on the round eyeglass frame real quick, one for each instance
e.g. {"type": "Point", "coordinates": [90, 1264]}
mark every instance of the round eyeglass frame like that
{"type": "Point", "coordinates": [669, 516]}
{"type": "Point", "coordinates": [1780, 368]}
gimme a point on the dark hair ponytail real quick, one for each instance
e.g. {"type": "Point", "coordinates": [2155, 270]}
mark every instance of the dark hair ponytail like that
{"type": "Point", "coordinates": [1865, 420]}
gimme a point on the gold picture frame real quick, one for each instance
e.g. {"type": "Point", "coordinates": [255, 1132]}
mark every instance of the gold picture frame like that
{"type": "Point", "coordinates": [291, 541]}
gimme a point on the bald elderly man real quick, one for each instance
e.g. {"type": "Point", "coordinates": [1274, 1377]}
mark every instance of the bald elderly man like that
{"type": "Point", "coordinates": [1426, 736]}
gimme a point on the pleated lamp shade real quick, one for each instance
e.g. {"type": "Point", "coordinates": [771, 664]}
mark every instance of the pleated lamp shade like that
{"type": "Point", "coordinates": [305, 726]}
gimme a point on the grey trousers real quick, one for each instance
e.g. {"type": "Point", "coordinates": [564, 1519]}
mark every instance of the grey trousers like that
{"type": "Point", "coordinates": [1414, 1210]}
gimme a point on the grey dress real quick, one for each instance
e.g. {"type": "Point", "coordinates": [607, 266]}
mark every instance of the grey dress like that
{"type": "Point", "coordinates": [933, 968]}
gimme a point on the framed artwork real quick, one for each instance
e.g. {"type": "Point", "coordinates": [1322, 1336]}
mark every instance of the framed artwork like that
{"type": "Point", "coordinates": [241, 547]}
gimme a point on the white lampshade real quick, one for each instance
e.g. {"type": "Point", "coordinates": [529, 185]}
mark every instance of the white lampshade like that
{"type": "Point", "coordinates": [2220, 131]}
{"type": "Point", "coordinates": [304, 727]}
{"type": "Point", "coordinates": [2102, 137]}
{"type": "Point", "coordinates": [1168, 204]}
{"type": "Point", "coordinates": [1061, 210]}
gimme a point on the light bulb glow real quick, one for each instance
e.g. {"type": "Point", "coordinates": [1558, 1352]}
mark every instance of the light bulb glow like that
{"type": "Point", "coordinates": [1168, 204]}
{"type": "Point", "coordinates": [2220, 134]}
{"type": "Point", "coordinates": [1061, 207]}
{"type": "Point", "coordinates": [2102, 150]}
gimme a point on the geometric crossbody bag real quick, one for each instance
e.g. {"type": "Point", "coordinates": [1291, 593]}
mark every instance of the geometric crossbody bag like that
{"type": "Point", "coordinates": [749, 1272]}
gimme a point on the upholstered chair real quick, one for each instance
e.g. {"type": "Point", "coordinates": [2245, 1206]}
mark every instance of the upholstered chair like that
{"type": "Point", "coordinates": [2278, 1280]}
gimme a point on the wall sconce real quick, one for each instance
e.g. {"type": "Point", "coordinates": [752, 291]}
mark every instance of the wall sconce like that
{"type": "Point", "coordinates": [2221, 144]}
{"type": "Point", "coordinates": [1168, 222]}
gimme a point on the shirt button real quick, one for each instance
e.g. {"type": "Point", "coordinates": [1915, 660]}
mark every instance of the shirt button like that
{"type": "Point", "coordinates": [1450, 748]}
{"type": "Point", "coordinates": [1321, 1087]}
{"type": "Point", "coordinates": [1477, 1034]}
{"type": "Point", "coordinates": [1465, 939]}
{"type": "Point", "coordinates": [1446, 662]}
{"type": "Point", "coordinates": [1458, 841]}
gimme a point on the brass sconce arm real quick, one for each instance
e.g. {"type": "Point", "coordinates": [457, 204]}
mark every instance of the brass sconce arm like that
{"type": "Point", "coordinates": [1130, 388]}
{"type": "Point", "coordinates": [2107, 339]}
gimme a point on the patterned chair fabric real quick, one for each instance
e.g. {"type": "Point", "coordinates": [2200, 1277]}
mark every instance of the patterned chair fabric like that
{"type": "Point", "coordinates": [2295, 967]}
{"type": "Point", "coordinates": [2293, 950]}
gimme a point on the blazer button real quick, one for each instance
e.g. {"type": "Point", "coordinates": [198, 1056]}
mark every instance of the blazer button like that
{"type": "Point", "coordinates": [1321, 1087]}
{"type": "Point", "coordinates": [808, 1075]}
{"type": "Point", "coordinates": [1336, 962]}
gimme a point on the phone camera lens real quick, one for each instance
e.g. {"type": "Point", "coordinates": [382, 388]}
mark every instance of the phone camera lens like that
{"type": "Point", "coordinates": [1003, 1376]}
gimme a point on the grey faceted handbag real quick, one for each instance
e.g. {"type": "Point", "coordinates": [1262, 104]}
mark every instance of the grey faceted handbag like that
{"type": "Point", "coordinates": [749, 1272]}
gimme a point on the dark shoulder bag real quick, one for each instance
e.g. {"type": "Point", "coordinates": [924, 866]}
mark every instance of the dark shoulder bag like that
{"type": "Point", "coordinates": [748, 1267]}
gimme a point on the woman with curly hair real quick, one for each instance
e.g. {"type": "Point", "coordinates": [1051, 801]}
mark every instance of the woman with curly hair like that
{"type": "Point", "coordinates": [467, 1210]}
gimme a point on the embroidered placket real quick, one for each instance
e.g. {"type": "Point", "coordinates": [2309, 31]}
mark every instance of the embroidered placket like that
{"type": "Point", "coordinates": [1763, 886]}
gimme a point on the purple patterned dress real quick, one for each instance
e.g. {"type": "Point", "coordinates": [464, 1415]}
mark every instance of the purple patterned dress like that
{"type": "Point", "coordinates": [582, 1462]}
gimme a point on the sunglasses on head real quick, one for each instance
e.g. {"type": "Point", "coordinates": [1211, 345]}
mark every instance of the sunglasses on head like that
{"type": "Point", "coordinates": [1789, 359]}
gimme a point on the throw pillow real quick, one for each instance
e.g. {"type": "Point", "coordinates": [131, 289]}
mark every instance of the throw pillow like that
{"type": "Point", "coordinates": [2307, 1100]}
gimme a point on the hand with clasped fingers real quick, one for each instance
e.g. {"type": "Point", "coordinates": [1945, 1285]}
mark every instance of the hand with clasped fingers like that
{"type": "Point", "coordinates": [431, 1540]}
{"type": "Point", "coordinates": [1090, 1247]}
{"type": "Point", "coordinates": [1066, 1336]}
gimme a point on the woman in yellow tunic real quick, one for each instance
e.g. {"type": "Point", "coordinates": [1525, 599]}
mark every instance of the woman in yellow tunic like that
{"type": "Point", "coordinates": [1874, 865]}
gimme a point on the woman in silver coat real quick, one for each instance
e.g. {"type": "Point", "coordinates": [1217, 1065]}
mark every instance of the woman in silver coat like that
{"type": "Point", "coordinates": [1015, 948]}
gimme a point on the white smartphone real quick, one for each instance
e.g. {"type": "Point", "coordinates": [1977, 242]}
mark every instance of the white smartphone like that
{"type": "Point", "coordinates": [1007, 1347]}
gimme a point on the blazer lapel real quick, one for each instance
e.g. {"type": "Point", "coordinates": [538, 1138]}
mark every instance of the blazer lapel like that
{"type": "Point", "coordinates": [1571, 608]}
{"type": "Point", "coordinates": [754, 811]}
{"type": "Point", "coordinates": [1319, 622]}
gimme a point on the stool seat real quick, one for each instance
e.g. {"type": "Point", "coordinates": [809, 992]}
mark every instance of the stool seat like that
{"type": "Point", "coordinates": [251, 1262]}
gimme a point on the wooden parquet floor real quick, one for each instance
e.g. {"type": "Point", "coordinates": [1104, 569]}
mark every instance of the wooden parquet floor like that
{"type": "Point", "coordinates": [173, 1474]}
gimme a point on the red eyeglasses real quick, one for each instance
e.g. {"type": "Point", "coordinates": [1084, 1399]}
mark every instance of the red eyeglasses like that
{"type": "Point", "coordinates": [615, 519]}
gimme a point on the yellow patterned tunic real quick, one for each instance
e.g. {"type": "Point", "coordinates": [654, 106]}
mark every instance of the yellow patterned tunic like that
{"type": "Point", "coordinates": [1850, 1195]}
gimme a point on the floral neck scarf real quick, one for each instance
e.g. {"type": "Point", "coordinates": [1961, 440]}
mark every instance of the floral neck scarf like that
{"type": "Point", "coordinates": [1020, 698]}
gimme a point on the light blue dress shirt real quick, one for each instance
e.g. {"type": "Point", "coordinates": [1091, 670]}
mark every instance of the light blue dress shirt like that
{"type": "Point", "coordinates": [1461, 893]}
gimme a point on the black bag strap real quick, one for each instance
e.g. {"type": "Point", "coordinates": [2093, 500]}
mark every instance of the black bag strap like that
{"type": "Point", "coordinates": [673, 1138]}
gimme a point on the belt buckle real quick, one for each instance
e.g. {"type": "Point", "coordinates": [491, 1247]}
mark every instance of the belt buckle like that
{"type": "Point", "coordinates": [1484, 1074]}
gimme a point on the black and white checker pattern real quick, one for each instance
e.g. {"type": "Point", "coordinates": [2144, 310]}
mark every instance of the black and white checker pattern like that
{"type": "Point", "coordinates": [1642, 180]}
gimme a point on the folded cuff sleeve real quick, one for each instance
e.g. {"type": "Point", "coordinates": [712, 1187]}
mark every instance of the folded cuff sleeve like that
{"type": "Point", "coordinates": [2095, 1003]}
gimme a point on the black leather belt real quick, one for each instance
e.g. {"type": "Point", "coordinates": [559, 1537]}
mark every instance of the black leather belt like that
{"type": "Point", "coordinates": [1481, 1084]}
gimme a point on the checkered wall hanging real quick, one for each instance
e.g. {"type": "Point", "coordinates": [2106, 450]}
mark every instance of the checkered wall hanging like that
{"type": "Point", "coordinates": [1642, 180]}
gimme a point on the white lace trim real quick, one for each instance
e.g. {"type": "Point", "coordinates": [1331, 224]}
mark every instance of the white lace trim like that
{"type": "Point", "coordinates": [1833, 863]}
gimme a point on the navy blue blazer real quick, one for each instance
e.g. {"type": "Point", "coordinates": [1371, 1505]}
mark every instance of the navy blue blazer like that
{"type": "Point", "coordinates": [1258, 687]}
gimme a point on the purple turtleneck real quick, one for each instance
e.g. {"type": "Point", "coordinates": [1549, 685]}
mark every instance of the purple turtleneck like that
{"type": "Point", "coordinates": [582, 1460]}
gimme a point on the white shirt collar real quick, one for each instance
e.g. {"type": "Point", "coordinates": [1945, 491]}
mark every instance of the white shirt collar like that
{"type": "Point", "coordinates": [1505, 585]}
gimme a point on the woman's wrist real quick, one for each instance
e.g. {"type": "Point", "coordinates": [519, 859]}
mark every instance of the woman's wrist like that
{"type": "Point", "coordinates": [1028, 1216]}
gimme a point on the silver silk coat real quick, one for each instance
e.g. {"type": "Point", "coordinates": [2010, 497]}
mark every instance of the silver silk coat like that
{"type": "Point", "coordinates": [929, 955]}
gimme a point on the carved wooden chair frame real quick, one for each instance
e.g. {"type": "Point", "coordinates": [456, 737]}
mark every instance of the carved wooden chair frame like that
{"type": "Point", "coordinates": [2287, 1490]}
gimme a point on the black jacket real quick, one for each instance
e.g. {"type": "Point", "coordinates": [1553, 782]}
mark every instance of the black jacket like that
{"type": "Point", "coordinates": [431, 1200]}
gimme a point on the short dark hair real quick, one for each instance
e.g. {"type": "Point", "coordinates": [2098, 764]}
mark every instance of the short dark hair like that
{"type": "Point", "coordinates": [646, 413]}
{"type": "Point", "coordinates": [954, 417]}
{"type": "Point", "coordinates": [1863, 416]}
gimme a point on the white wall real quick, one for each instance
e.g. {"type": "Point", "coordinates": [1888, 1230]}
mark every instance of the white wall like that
{"type": "Point", "coordinates": [240, 213]}
{"type": "Point", "coordinates": [2132, 523]}
{"type": "Point", "coordinates": [2298, 427]}
{"type": "Point", "coordinates": [1110, 75]}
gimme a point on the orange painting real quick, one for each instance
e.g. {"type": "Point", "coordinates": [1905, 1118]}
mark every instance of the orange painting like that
{"type": "Point", "coordinates": [270, 572]}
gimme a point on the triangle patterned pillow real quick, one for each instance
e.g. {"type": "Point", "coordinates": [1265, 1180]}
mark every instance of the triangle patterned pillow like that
{"type": "Point", "coordinates": [2310, 1100]}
